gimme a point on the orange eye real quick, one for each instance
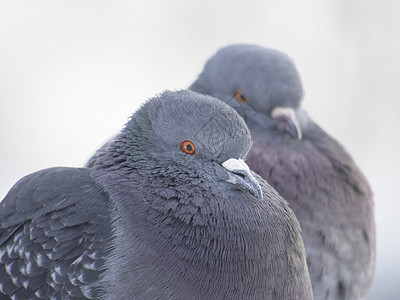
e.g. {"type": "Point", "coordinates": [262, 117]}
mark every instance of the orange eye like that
{"type": "Point", "coordinates": [240, 97]}
{"type": "Point", "coordinates": [188, 147]}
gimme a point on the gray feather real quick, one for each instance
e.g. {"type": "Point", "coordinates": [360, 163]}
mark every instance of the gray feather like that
{"type": "Point", "coordinates": [44, 251]}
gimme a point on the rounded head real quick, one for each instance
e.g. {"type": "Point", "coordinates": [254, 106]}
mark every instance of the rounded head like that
{"type": "Point", "coordinates": [262, 77]}
{"type": "Point", "coordinates": [171, 120]}
{"type": "Point", "coordinates": [189, 134]}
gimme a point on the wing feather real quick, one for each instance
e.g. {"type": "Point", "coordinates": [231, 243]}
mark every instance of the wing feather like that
{"type": "Point", "coordinates": [55, 226]}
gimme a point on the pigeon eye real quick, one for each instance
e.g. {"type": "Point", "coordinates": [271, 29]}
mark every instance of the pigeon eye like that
{"type": "Point", "coordinates": [240, 97]}
{"type": "Point", "coordinates": [188, 147]}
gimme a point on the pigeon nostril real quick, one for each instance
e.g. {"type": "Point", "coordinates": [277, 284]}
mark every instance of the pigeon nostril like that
{"type": "Point", "coordinates": [239, 173]}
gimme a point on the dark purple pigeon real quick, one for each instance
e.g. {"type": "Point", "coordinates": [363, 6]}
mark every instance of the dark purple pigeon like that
{"type": "Point", "coordinates": [168, 211]}
{"type": "Point", "coordinates": [312, 171]}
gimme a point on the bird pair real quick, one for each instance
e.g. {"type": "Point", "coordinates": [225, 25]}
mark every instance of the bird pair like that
{"type": "Point", "coordinates": [169, 209]}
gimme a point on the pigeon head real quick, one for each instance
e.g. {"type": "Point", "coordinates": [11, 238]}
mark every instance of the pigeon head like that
{"type": "Point", "coordinates": [168, 133]}
{"type": "Point", "coordinates": [262, 84]}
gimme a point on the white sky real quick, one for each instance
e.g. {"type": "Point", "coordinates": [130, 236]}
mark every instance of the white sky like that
{"type": "Point", "coordinates": [72, 72]}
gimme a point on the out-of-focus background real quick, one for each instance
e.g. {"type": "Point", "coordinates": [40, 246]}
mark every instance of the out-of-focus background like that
{"type": "Point", "coordinates": [72, 72]}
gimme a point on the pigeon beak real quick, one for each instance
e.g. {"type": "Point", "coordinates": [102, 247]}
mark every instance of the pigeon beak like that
{"type": "Point", "coordinates": [288, 115]}
{"type": "Point", "coordinates": [240, 176]}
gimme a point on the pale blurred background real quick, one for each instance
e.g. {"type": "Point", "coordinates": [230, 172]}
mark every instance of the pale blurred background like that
{"type": "Point", "coordinates": [71, 73]}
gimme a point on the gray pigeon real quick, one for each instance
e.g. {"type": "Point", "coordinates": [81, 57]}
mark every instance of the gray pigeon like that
{"type": "Point", "coordinates": [169, 211]}
{"type": "Point", "coordinates": [312, 171]}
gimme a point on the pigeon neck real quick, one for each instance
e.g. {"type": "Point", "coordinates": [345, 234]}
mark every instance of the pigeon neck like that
{"type": "Point", "coordinates": [216, 243]}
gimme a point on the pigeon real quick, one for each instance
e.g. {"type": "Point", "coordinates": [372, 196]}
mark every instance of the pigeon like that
{"type": "Point", "coordinates": [170, 210]}
{"type": "Point", "coordinates": [326, 190]}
